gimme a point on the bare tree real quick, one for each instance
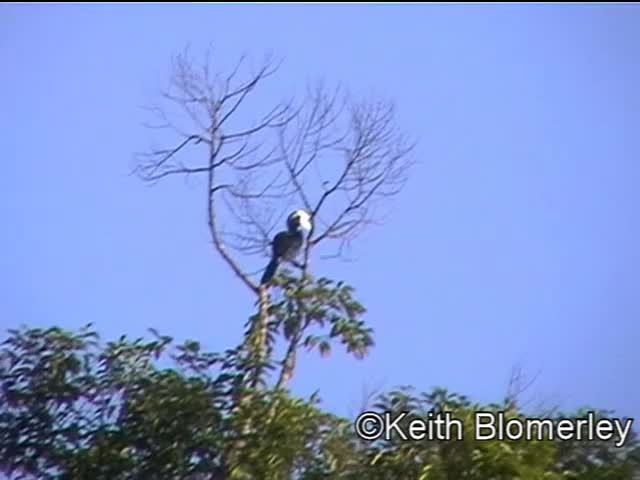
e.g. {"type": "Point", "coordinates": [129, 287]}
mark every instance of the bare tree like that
{"type": "Point", "coordinates": [329, 152]}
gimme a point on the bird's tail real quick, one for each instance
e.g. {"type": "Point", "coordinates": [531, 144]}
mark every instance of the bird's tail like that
{"type": "Point", "coordinates": [270, 271]}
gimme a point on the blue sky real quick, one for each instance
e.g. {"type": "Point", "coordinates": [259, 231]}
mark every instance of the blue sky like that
{"type": "Point", "coordinates": [514, 242]}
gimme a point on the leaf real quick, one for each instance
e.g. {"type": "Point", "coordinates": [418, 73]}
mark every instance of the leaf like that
{"type": "Point", "coordinates": [324, 348]}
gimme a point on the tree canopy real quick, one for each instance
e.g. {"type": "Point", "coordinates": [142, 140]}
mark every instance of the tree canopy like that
{"type": "Point", "coordinates": [73, 406]}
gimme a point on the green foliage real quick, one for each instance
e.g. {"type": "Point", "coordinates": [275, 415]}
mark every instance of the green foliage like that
{"type": "Point", "coordinates": [320, 311]}
{"type": "Point", "coordinates": [74, 408]}
{"type": "Point", "coordinates": [598, 460]}
{"type": "Point", "coordinates": [467, 458]}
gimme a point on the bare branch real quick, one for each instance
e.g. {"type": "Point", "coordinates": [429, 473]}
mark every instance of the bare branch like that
{"type": "Point", "coordinates": [241, 92]}
{"type": "Point", "coordinates": [156, 165]}
{"type": "Point", "coordinates": [519, 383]}
{"type": "Point", "coordinates": [213, 229]}
{"type": "Point", "coordinates": [375, 167]}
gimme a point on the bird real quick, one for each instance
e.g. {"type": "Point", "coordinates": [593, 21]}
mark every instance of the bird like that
{"type": "Point", "coordinates": [287, 244]}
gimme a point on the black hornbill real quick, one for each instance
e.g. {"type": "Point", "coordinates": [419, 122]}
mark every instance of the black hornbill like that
{"type": "Point", "coordinates": [287, 243]}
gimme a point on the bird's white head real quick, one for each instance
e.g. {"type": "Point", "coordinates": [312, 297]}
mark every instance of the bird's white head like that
{"type": "Point", "coordinates": [301, 219]}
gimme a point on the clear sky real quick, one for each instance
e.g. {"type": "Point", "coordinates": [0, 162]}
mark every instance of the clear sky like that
{"type": "Point", "coordinates": [516, 240]}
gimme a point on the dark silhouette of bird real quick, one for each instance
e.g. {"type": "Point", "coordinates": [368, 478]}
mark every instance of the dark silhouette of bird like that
{"type": "Point", "coordinates": [287, 244]}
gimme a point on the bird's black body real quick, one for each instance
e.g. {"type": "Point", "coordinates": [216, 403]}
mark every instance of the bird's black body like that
{"type": "Point", "coordinates": [285, 246]}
